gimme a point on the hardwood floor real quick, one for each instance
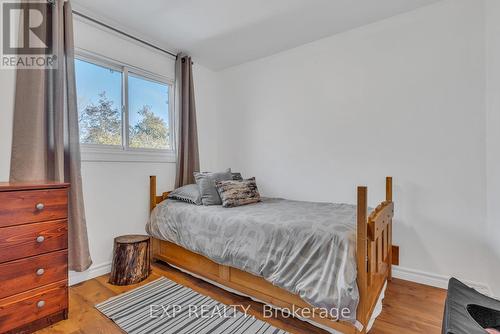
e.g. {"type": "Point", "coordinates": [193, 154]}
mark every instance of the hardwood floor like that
{"type": "Point", "coordinates": [408, 307]}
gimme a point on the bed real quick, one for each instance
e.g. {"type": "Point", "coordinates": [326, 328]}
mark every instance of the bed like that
{"type": "Point", "coordinates": [289, 254]}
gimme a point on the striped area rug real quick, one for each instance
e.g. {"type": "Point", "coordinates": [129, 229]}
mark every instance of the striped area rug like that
{"type": "Point", "coordinates": [166, 307]}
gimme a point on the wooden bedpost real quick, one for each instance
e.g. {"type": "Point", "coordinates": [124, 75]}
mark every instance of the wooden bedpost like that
{"type": "Point", "coordinates": [361, 254]}
{"type": "Point", "coordinates": [388, 198]}
{"type": "Point", "coordinates": [152, 192]}
{"type": "Point", "coordinates": [388, 189]}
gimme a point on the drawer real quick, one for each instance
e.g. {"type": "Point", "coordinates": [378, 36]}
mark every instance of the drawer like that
{"type": "Point", "coordinates": [32, 272]}
{"type": "Point", "coordinates": [26, 307]}
{"type": "Point", "coordinates": [21, 241]}
{"type": "Point", "coordinates": [21, 207]}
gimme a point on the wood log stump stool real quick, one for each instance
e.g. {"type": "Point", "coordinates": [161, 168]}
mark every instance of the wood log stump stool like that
{"type": "Point", "coordinates": [131, 259]}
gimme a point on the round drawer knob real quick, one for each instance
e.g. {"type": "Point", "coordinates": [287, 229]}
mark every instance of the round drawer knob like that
{"type": "Point", "coordinates": [40, 206]}
{"type": "Point", "coordinates": [40, 239]}
{"type": "Point", "coordinates": [40, 304]}
{"type": "Point", "coordinates": [40, 272]}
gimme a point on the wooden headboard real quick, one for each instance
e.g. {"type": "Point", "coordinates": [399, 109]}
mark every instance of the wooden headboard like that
{"type": "Point", "coordinates": [153, 199]}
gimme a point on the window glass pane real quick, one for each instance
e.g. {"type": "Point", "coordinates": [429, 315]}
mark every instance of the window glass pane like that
{"type": "Point", "coordinates": [148, 113]}
{"type": "Point", "coordinates": [99, 96]}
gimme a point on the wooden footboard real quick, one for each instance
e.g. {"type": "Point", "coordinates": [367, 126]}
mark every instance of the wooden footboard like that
{"type": "Point", "coordinates": [374, 261]}
{"type": "Point", "coordinates": [374, 250]}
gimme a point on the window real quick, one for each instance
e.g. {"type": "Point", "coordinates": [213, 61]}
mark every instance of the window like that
{"type": "Point", "coordinates": [148, 114]}
{"type": "Point", "coordinates": [99, 95]}
{"type": "Point", "coordinates": [124, 112]}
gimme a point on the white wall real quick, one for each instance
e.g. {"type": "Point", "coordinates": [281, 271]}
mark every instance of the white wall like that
{"type": "Point", "coordinates": [205, 82]}
{"type": "Point", "coordinates": [493, 135]}
{"type": "Point", "coordinates": [401, 97]}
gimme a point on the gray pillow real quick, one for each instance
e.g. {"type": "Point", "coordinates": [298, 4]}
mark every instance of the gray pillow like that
{"type": "Point", "coordinates": [237, 193]}
{"type": "Point", "coordinates": [189, 193]}
{"type": "Point", "coordinates": [206, 185]}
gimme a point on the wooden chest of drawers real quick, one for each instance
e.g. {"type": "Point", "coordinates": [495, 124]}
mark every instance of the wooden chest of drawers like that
{"type": "Point", "coordinates": [33, 255]}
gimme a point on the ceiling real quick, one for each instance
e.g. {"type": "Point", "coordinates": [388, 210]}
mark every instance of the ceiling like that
{"type": "Point", "coordinates": [223, 33]}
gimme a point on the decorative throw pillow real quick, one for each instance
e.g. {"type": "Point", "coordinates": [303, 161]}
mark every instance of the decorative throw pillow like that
{"type": "Point", "coordinates": [189, 193]}
{"type": "Point", "coordinates": [237, 193]}
{"type": "Point", "coordinates": [206, 185]}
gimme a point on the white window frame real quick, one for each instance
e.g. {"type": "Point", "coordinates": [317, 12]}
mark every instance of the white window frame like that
{"type": "Point", "coordinates": [124, 153]}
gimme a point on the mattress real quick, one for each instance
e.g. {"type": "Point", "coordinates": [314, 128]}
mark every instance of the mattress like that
{"type": "Point", "coordinates": [305, 248]}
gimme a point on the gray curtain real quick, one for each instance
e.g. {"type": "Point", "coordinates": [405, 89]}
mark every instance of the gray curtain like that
{"type": "Point", "coordinates": [188, 160]}
{"type": "Point", "coordinates": [45, 143]}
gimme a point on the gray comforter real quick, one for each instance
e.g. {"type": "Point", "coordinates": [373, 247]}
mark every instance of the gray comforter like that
{"type": "Point", "coordinates": [303, 247]}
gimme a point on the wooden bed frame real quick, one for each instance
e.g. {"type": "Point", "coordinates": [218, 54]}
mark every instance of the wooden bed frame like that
{"type": "Point", "coordinates": [375, 257]}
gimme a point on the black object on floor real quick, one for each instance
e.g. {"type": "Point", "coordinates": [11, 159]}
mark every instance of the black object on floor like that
{"type": "Point", "coordinates": [468, 311]}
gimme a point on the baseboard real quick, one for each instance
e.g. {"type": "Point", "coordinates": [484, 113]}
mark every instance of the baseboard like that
{"type": "Point", "coordinates": [417, 276]}
{"type": "Point", "coordinates": [439, 281]}
{"type": "Point", "coordinates": [92, 272]}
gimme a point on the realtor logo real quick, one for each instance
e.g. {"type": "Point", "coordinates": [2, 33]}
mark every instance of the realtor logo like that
{"type": "Point", "coordinates": [27, 36]}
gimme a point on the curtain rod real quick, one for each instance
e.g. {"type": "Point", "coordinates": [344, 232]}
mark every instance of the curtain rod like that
{"type": "Point", "coordinates": [124, 33]}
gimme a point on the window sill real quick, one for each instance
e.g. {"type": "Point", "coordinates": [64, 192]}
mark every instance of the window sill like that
{"type": "Point", "coordinates": [106, 154]}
